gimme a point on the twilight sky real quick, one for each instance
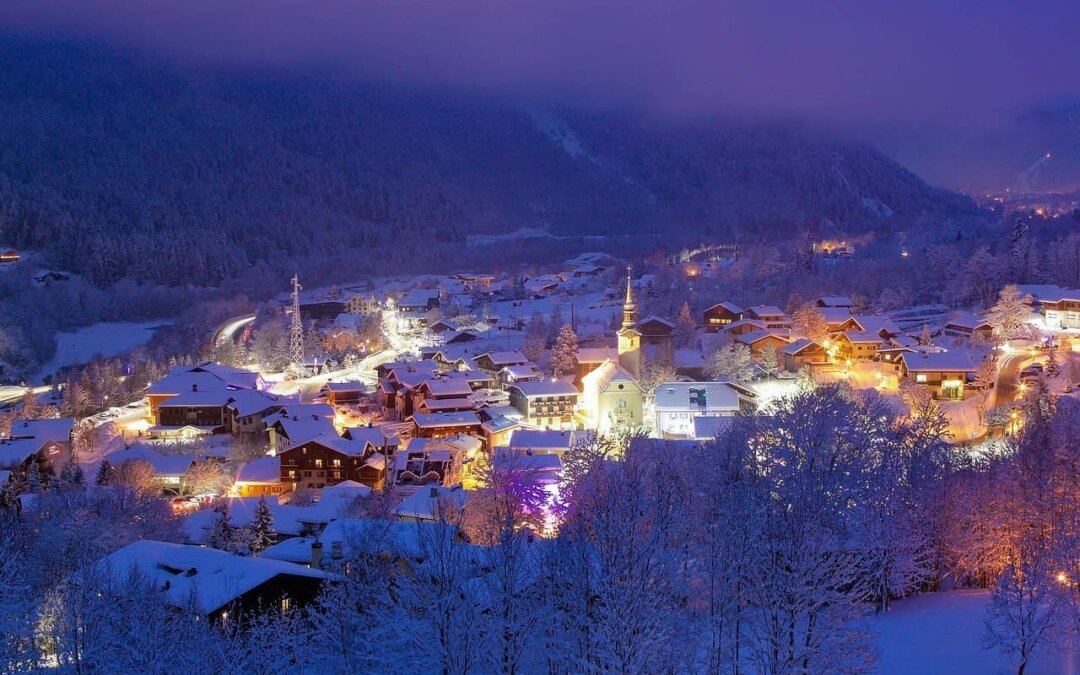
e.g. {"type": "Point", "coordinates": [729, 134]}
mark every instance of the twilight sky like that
{"type": "Point", "coordinates": [913, 76]}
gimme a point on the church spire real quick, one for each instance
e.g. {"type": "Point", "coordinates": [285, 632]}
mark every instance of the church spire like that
{"type": "Point", "coordinates": [629, 308]}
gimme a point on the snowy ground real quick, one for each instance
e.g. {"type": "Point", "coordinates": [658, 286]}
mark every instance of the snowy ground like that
{"type": "Point", "coordinates": [104, 339]}
{"type": "Point", "coordinates": [941, 633]}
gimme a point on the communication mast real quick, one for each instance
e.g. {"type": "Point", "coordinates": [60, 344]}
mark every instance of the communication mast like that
{"type": "Point", "coordinates": [296, 329]}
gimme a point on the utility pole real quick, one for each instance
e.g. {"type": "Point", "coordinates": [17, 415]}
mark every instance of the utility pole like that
{"type": "Point", "coordinates": [296, 329]}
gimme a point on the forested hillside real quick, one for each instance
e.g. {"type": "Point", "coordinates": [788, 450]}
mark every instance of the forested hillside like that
{"type": "Point", "coordinates": [114, 165]}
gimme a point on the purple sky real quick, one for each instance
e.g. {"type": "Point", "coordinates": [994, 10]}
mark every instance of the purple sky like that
{"type": "Point", "coordinates": [872, 65]}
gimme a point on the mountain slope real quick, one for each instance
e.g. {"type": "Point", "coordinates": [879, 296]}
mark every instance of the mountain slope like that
{"type": "Point", "coordinates": [117, 166]}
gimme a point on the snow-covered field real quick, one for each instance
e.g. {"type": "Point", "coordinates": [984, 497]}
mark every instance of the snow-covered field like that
{"type": "Point", "coordinates": [104, 339]}
{"type": "Point", "coordinates": [941, 633]}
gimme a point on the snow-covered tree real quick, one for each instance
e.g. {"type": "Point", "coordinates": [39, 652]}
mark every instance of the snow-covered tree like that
{"type": "Point", "coordinates": [565, 353]}
{"type": "Point", "coordinates": [809, 322]}
{"type": "Point", "coordinates": [105, 473]}
{"type": "Point", "coordinates": [685, 325]}
{"type": "Point", "coordinates": [222, 535]}
{"type": "Point", "coordinates": [1006, 317]}
{"type": "Point", "coordinates": [261, 535]}
{"type": "Point", "coordinates": [770, 361]}
{"type": "Point", "coordinates": [730, 361]}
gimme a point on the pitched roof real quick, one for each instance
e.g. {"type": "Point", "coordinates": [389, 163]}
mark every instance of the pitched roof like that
{"type": "Point", "coordinates": [728, 306]}
{"type": "Point", "coordinates": [954, 360]}
{"type": "Point", "coordinates": [451, 419]}
{"type": "Point", "coordinates": [862, 336]}
{"type": "Point", "coordinates": [164, 465]}
{"type": "Point", "coordinates": [56, 429]}
{"type": "Point", "coordinates": [799, 345]}
{"type": "Point", "coordinates": [835, 301]}
{"type": "Point", "coordinates": [207, 577]}
{"type": "Point", "coordinates": [426, 502]}
{"type": "Point", "coordinates": [542, 440]}
{"type": "Point", "coordinates": [261, 470]}
{"type": "Point", "coordinates": [759, 335]}
{"type": "Point", "coordinates": [676, 396]}
{"type": "Point", "coordinates": [535, 388]}
{"type": "Point", "coordinates": [765, 310]}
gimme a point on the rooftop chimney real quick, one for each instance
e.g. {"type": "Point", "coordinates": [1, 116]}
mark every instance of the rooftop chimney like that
{"type": "Point", "coordinates": [316, 555]}
{"type": "Point", "coordinates": [194, 387]}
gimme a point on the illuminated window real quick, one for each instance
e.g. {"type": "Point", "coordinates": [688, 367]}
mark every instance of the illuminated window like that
{"type": "Point", "coordinates": [920, 377]}
{"type": "Point", "coordinates": [318, 464]}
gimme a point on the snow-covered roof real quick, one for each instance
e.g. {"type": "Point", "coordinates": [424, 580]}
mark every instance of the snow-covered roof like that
{"type": "Point", "coordinates": [344, 386]}
{"type": "Point", "coordinates": [199, 399]}
{"type": "Point", "coordinates": [207, 577]}
{"type": "Point", "coordinates": [447, 404]}
{"type": "Point", "coordinates": [540, 441]}
{"type": "Point", "coordinates": [204, 377]}
{"type": "Point", "coordinates": [835, 315]}
{"type": "Point", "coordinates": [757, 325]}
{"type": "Point", "coordinates": [652, 318]}
{"type": "Point", "coordinates": [164, 465]}
{"type": "Point", "coordinates": [303, 429]}
{"type": "Point", "coordinates": [251, 402]}
{"type": "Point", "coordinates": [523, 370]}
{"type": "Point", "coordinates": [261, 470]}
{"type": "Point", "coordinates": [765, 310]}
{"type": "Point", "coordinates": [419, 297]}
{"type": "Point", "coordinates": [798, 346]}
{"type": "Point", "coordinates": [835, 301]}
{"type": "Point", "coordinates": [608, 372]}
{"type": "Point", "coordinates": [505, 358]}
{"type": "Point", "coordinates": [967, 320]}
{"type": "Point", "coordinates": [363, 536]}
{"type": "Point", "coordinates": [675, 396]}
{"type": "Point", "coordinates": [877, 323]}
{"type": "Point", "coordinates": [537, 388]}
{"type": "Point", "coordinates": [289, 520]}
{"type": "Point", "coordinates": [448, 387]}
{"type": "Point", "coordinates": [56, 429]}
{"type": "Point", "coordinates": [374, 436]}
{"type": "Point", "coordinates": [346, 490]}
{"type": "Point", "coordinates": [730, 307]}
{"type": "Point", "coordinates": [450, 419]}
{"type": "Point", "coordinates": [759, 335]}
{"type": "Point", "coordinates": [855, 336]}
{"type": "Point", "coordinates": [425, 503]}
{"type": "Point", "coordinates": [509, 458]}
{"type": "Point", "coordinates": [955, 360]}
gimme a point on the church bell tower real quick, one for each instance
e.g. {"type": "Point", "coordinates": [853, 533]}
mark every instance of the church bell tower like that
{"type": "Point", "coordinates": [629, 336]}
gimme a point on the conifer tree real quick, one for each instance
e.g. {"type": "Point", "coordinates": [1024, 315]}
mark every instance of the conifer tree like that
{"type": "Point", "coordinates": [565, 354]}
{"type": "Point", "coordinates": [262, 529]}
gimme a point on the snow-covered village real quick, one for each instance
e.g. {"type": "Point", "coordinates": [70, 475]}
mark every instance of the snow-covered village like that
{"type": "Point", "coordinates": [477, 338]}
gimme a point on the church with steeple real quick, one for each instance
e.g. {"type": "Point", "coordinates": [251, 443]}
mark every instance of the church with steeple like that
{"type": "Point", "coordinates": [629, 335]}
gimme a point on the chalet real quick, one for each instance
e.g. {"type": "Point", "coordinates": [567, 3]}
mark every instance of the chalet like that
{"type": "Point", "coordinates": [247, 409]}
{"type": "Point", "coordinates": [497, 428]}
{"type": "Point", "coordinates": [193, 413]}
{"type": "Point", "coordinates": [612, 399]}
{"type": "Point", "coordinates": [442, 425]}
{"type": "Point", "coordinates": [841, 301]}
{"type": "Point", "coordinates": [969, 326]}
{"type": "Point", "coordinates": [743, 326]}
{"type": "Point", "coordinates": [48, 442]}
{"type": "Point", "coordinates": [655, 331]}
{"type": "Point", "coordinates": [170, 472]}
{"type": "Point", "coordinates": [212, 583]}
{"type": "Point", "coordinates": [523, 373]}
{"type": "Point", "coordinates": [690, 362]}
{"type": "Point", "coordinates": [770, 315]}
{"type": "Point", "coordinates": [343, 393]}
{"type": "Point", "coordinates": [880, 324]}
{"type": "Point", "coordinates": [492, 362]}
{"type": "Point", "coordinates": [803, 352]}
{"type": "Point", "coordinates": [545, 403]}
{"type": "Point", "coordinates": [347, 539]}
{"type": "Point", "coordinates": [205, 377]}
{"type": "Point", "coordinates": [475, 282]}
{"type": "Point", "coordinates": [678, 404]}
{"type": "Point", "coordinates": [760, 340]}
{"type": "Point", "coordinates": [432, 504]}
{"type": "Point", "coordinates": [49, 278]}
{"type": "Point", "coordinates": [419, 300]}
{"type": "Point", "coordinates": [889, 357]}
{"type": "Point", "coordinates": [721, 315]}
{"type": "Point", "coordinates": [857, 345]}
{"type": "Point", "coordinates": [1062, 309]}
{"type": "Point", "coordinates": [541, 442]}
{"type": "Point", "coordinates": [427, 461]}
{"type": "Point", "coordinates": [946, 373]}
{"type": "Point", "coordinates": [839, 320]}
{"type": "Point", "coordinates": [329, 459]}
{"type": "Point", "coordinates": [258, 478]}
{"type": "Point", "coordinates": [588, 270]}
{"type": "Point", "coordinates": [298, 423]}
